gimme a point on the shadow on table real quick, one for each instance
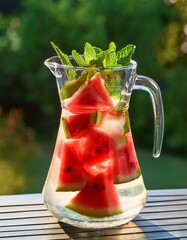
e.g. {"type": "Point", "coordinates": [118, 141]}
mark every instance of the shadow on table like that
{"type": "Point", "coordinates": [140, 228]}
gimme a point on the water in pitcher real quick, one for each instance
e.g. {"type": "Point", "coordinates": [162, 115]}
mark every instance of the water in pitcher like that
{"type": "Point", "coordinates": [106, 172]}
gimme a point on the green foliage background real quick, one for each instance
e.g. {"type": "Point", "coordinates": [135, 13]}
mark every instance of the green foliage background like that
{"type": "Point", "coordinates": [157, 28]}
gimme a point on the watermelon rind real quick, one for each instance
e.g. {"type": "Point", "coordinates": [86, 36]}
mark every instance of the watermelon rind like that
{"type": "Point", "coordinates": [65, 128]}
{"type": "Point", "coordinates": [122, 178]}
{"type": "Point", "coordinates": [94, 199]}
{"type": "Point", "coordinates": [127, 127]}
{"type": "Point", "coordinates": [71, 86]}
{"type": "Point", "coordinates": [96, 211]}
{"type": "Point", "coordinates": [126, 167]}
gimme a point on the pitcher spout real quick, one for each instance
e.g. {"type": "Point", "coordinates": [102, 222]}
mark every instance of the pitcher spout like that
{"type": "Point", "coordinates": [53, 64]}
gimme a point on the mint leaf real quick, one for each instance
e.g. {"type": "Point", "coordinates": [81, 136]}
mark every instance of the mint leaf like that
{"type": "Point", "coordinates": [65, 60]}
{"type": "Point", "coordinates": [79, 59]}
{"type": "Point", "coordinates": [97, 50]}
{"type": "Point", "coordinates": [89, 53]}
{"type": "Point", "coordinates": [99, 61]}
{"type": "Point", "coordinates": [110, 60]}
{"type": "Point", "coordinates": [112, 46]}
{"type": "Point", "coordinates": [100, 58]}
{"type": "Point", "coordinates": [125, 54]}
{"type": "Point", "coordinates": [108, 57]}
{"type": "Point", "coordinates": [63, 57]}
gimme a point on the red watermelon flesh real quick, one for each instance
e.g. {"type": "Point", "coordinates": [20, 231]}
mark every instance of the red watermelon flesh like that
{"type": "Point", "coordinates": [98, 198]}
{"type": "Point", "coordinates": [77, 123]}
{"type": "Point", "coordinates": [98, 146]}
{"type": "Point", "coordinates": [72, 176]}
{"type": "Point", "coordinates": [91, 96]}
{"type": "Point", "coordinates": [126, 167]}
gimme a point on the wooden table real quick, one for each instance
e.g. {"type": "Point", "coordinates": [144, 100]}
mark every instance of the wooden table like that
{"type": "Point", "coordinates": [164, 217]}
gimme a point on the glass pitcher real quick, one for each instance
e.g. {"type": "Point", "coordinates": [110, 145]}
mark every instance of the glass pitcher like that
{"type": "Point", "coordinates": [94, 180]}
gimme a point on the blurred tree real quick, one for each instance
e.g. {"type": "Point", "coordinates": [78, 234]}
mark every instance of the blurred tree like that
{"type": "Point", "coordinates": [157, 28]}
{"type": "Point", "coordinates": [171, 53]}
{"type": "Point", "coordinates": [17, 145]}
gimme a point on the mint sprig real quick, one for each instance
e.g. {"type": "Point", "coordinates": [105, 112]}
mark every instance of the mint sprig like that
{"type": "Point", "coordinates": [96, 57]}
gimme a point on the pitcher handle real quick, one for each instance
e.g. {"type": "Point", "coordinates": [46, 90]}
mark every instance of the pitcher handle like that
{"type": "Point", "coordinates": [150, 86]}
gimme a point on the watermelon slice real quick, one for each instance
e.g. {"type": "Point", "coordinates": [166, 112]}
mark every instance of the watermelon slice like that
{"type": "Point", "coordinates": [98, 146]}
{"type": "Point", "coordinates": [72, 176]}
{"type": "Point", "coordinates": [98, 198]}
{"type": "Point", "coordinates": [126, 167]}
{"type": "Point", "coordinates": [91, 96]}
{"type": "Point", "coordinates": [97, 150]}
{"type": "Point", "coordinates": [77, 123]}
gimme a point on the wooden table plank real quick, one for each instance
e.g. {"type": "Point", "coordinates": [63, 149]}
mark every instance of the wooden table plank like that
{"type": "Point", "coordinates": [20, 199]}
{"type": "Point", "coordinates": [167, 192]}
{"type": "Point", "coordinates": [84, 233]}
{"type": "Point", "coordinates": [164, 217]}
{"type": "Point", "coordinates": [27, 221]}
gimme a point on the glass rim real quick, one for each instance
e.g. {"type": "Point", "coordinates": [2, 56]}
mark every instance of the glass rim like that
{"type": "Point", "coordinates": [50, 62]}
